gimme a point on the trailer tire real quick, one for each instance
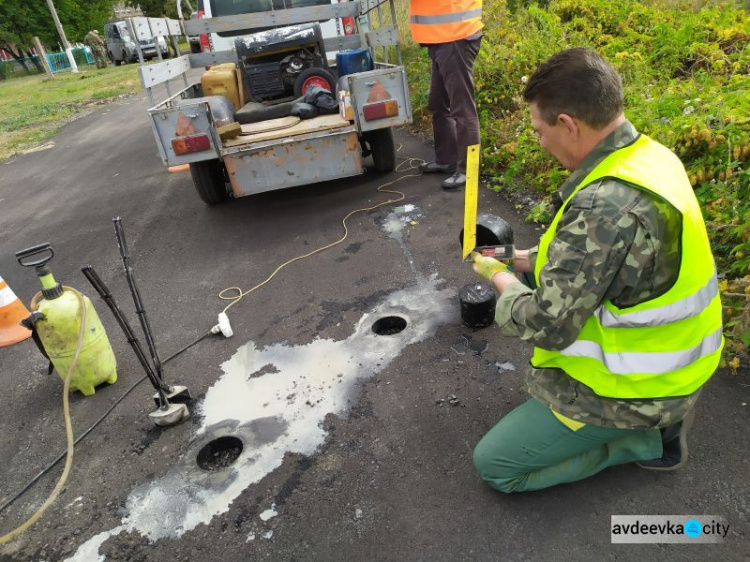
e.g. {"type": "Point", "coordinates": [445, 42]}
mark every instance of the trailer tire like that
{"type": "Point", "coordinates": [314, 76]}
{"type": "Point", "coordinates": [383, 149]}
{"type": "Point", "coordinates": [208, 178]}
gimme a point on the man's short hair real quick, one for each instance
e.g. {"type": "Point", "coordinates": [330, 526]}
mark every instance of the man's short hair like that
{"type": "Point", "coordinates": [577, 82]}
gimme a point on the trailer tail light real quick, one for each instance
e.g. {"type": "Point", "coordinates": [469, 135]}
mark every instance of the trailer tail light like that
{"type": "Point", "coordinates": [191, 143]}
{"type": "Point", "coordinates": [380, 110]}
{"type": "Point", "coordinates": [348, 24]}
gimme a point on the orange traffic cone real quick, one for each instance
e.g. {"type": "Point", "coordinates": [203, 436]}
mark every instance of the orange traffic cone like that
{"type": "Point", "coordinates": [12, 311]}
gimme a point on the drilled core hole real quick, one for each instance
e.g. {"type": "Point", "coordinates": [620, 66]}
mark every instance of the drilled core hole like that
{"type": "Point", "coordinates": [220, 453]}
{"type": "Point", "coordinates": [389, 325]}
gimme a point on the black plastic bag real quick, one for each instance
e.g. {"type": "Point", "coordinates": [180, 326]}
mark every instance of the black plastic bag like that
{"type": "Point", "coordinates": [321, 98]}
{"type": "Point", "coordinates": [305, 110]}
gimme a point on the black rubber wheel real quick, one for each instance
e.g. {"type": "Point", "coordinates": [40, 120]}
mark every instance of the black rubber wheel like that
{"type": "Point", "coordinates": [208, 178]}
{"type": "Point", "coordinates": [383, 149]}
{"type": "Point", "coordinates": [314, 75]}
{"type": "Point", "coordinates": [117, 62]}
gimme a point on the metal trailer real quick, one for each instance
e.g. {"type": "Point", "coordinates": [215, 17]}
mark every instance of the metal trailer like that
{"type": "Point", "coordinates": [315, 150]}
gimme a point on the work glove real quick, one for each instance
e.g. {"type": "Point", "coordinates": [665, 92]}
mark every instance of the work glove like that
{"type": "Point", "coordinates": [487, 267]}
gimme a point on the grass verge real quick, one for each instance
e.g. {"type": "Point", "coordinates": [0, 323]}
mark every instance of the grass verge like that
{"type": "Point", "coordinates": [34, 108]}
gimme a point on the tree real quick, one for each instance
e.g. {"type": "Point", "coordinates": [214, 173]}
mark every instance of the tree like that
{"type": "Point", "coordinates": [22, 20]}
{"type": "Point", "coordinates": [156, 8]}
{"type": "Point", "coordinates": [19, 22]}
{"type": "Point", "coordinates": [81, 16]}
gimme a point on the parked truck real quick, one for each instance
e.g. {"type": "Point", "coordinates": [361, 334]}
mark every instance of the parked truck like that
{"type": "Point", "coordinates": [273, 67]}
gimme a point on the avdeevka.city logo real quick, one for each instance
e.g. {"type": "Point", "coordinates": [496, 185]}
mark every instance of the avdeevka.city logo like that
{"type": "Point", "coordinates": [668, 529]}
{"type": "Point", "coordinates": [693, 528]}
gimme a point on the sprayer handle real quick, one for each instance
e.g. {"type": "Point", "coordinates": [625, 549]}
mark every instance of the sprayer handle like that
{"type": "Point", "coordinates": [23, 255]}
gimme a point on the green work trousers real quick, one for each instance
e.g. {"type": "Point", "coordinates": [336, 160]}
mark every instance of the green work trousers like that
{"type": "Point", "coordinates": [530, 449]}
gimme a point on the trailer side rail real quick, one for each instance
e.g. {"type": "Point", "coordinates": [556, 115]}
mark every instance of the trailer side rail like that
{"type": "Point", "coordinates": [278, 18]}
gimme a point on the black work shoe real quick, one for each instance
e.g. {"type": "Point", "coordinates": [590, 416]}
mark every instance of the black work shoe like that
{"type": "Point", "coordinates": [456, 180]}
{"type": "Point", "coordinates": [435, 168]}
{"type": "Point", "coordinates": [674, 444]}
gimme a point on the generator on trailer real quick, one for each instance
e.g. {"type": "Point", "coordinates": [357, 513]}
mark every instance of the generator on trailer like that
{"type": "Point", "coordinates": [272, 69]}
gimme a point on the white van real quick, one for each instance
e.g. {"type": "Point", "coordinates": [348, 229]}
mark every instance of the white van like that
{"type": "Point", "coordinates": [121, 47]}
{"type": "Point", "coordinates": [224, 41]}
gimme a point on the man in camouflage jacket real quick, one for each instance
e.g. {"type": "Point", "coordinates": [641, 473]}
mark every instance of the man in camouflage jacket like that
{"type": "Point", "coordinates": [98, 47]}
{"type": "Point", "coordinates": [614, 243]}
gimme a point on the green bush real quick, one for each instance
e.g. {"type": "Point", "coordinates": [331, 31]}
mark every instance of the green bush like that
{"type": "Point", "coordinates": [687, 84]}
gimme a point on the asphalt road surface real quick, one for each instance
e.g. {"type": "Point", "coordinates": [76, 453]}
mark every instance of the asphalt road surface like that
{"type": "Point", "coordinates": [347, 445]}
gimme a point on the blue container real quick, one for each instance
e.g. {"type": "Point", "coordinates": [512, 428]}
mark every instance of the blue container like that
{"type": "Point", "coordinates": [353, 60]}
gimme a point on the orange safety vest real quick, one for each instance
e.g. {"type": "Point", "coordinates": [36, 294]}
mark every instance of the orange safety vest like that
{"type": "Point", "coordinates": [443, 21]}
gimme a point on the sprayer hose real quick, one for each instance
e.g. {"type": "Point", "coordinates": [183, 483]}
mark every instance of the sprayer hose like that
{"type": "Point", "coordinates": [68, 426]}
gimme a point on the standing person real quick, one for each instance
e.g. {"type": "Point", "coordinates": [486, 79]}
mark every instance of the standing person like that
{"type": "Point", "coordinates": [452, 32]}
{"type": "Point", "coordinates": [96, 42]}
{"type": "Point", "coordinates": [626, 316]}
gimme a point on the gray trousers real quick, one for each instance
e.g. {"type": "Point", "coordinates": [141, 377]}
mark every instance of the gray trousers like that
{"type": "Point", "coordinates": [455, 123]}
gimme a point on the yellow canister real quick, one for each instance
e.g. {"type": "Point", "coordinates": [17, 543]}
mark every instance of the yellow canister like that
{"type": "Point", "coordinates": [59, 331]}
{"type": "Point", "coordinates": [222, 80]}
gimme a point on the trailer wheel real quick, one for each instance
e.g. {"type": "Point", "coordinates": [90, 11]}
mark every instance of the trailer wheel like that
{"type": "Point", "coordinates": [208, 178]}
{"type": "Point", "coordinates": [383, 149]}
{"type": "Point", "coordinates": [314, 76]}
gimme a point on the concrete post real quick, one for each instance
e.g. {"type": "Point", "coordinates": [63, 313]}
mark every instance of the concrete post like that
{"type": "Point", "coordinates": [61, 32]}
{"type": "Point", "coordinates": [43, 56]}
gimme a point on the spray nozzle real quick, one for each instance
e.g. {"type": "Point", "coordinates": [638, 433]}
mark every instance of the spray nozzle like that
{"type": "Point", "coordinates": [223, 326]}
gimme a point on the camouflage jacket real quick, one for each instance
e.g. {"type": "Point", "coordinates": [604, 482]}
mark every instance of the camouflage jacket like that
{"type": "Point", "coordinates": [613, 243]}
{"type": "Point", "coordinates": [94, 40]}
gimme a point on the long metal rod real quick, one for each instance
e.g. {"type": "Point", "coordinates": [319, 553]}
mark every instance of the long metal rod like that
{"type": "Point", "coordinates": [137, 298]}
{"type": "Point", "coordinates": [106, 294]}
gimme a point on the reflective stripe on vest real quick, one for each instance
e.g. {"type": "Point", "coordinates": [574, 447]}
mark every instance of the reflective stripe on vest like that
{"type": "Point", "coordinates": [687, 307]}
{"type": "Point", "coordinates": [443, 21]}
{"type": "Point", "coordinates": [446, 18]}
{"type": "Point", "coordinates": [634, 362]}
{"type": "Point", "coordinates": [668, 346]}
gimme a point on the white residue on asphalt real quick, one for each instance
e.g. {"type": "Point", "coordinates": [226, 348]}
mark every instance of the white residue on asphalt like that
{"type": "Point", "coordinates": [89, 551]}
{"type": "Point", "coordinates": [74, 502]}
{"type": "Point", "coordinates": [267, 514]}
{"type": "Point", "coordinates": [250, 537]}
{"type": "Point", "coordinates": [394, 225]}
{"type": "Point", "coordinates": [267, 535]}
{"type": "Point", "coordinates": [304, 384]}
{"type": "Point", "coordinates": [398, 218]}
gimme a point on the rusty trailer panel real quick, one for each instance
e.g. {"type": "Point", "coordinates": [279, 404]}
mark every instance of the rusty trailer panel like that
{"type": "Point", "coordinates": [293, 161]}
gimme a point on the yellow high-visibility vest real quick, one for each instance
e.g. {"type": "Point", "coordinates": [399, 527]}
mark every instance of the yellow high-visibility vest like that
{"type": "Point", "coordinates": [665, 347]}
{"type": "Point", "coordinates": [443, 21]}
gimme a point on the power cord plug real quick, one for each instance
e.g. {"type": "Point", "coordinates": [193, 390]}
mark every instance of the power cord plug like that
{"type": "Point", "coordinates": [223, 326]}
